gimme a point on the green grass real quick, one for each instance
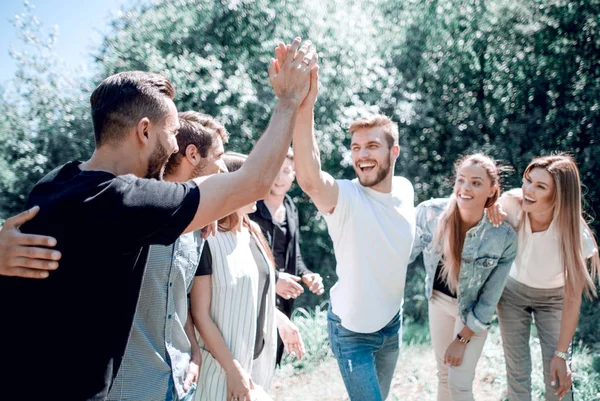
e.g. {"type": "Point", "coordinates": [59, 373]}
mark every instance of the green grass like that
{"type": "Point", "coordinates": [316, 377]}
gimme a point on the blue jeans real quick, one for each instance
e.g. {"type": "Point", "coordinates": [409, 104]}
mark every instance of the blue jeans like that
{"type": "Point", "coordinates": [366, 360]}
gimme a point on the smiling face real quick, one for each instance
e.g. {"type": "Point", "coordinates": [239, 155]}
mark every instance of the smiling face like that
{"type": "Point", "coordinates": [284, 179]}
{"type": "Point", "coordinates": [372, 157]}
{"type": "Point", "coordinates": [538, 191]}
{"type": "Point", "coordinates": [473, 187]}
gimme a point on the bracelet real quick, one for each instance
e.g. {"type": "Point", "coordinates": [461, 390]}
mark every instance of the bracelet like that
{"type": "Point", "coordinates": [561, 355]}
{"type": "Point", "coordinates": [462, 339]}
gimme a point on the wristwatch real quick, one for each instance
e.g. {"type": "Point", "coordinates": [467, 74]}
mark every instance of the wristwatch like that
{"type": "Point", "coordinates": [561, 355]}
{"type": "Point", "coordinates": [462, 339]}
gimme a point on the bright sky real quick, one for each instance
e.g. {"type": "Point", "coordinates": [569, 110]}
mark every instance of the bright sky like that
{"type": "Point", "coordinates": [81, 24]}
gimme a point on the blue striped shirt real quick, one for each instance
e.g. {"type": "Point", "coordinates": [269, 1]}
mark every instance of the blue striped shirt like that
{"type": "Point", "coordinates": [158, 351]}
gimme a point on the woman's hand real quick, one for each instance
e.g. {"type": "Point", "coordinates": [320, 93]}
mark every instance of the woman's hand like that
{"type": "Point", "coordinates": [454, 353]}
{"type": "Point", "coordinates": [560, 371]}
{"type": "Point", "coordinates": [291, 338]}
{"type": "Point", "coordinates": [495, 214]}
{"type": "Point", "coordinates": [239, 384]}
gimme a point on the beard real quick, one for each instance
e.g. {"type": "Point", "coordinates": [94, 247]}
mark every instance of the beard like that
{"type": "Point", "coordinates": [157, 163]}
{"type": "Point", "coordinates": [384, 170]}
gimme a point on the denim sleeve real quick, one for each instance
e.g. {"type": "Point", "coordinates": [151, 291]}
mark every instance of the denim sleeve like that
{"type": "Point", "coordinates": [422, 227]}
{"type": "Point", "coordinates": [481, 316]}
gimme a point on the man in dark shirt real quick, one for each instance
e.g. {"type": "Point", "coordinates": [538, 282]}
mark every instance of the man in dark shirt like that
{"type": "Point", "coordinates": [64, 336]}
{"type": "Point", "coordinates": [277, 217]}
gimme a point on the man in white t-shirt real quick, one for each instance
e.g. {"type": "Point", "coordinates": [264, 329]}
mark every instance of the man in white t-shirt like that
{"type": "Point", "coordinates": [371, 221]}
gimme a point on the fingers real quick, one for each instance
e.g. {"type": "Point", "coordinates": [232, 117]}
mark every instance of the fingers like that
{"type": "Point", "coordinates": [291, 51]}
{"type": "Point", "coordinates": [313, 62]}
{"type": "Point", "coordinates": [295, 278]}
{"type": "Point", "coordinates": [188, 381]}
{"type": "Point", "coordinates": [22, 218]}
{"type": "Point", "coordinates": [26, 273]}
{"type": "Point", "coordinates": [272, 70]}
{"type": "Point", "coordinates": [36, 240]}
{"type": "Point", "coordinates": [302, 52]}
{"type": "Point", "coordinates": [36, 264]}
{"type": "Point", "coordinates": [30, 252]}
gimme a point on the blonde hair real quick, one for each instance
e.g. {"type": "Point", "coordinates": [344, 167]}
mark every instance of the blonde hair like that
{"type": "Point", "coordinates": [568, 215]}
{"type": "Point", "coordinates": [377, 120]}
{"type": "Point", "coordinates": [449, 235]}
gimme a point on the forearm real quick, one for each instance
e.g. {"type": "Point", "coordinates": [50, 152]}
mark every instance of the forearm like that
{"type": "Point", "coordinates": [466, 333]}
{"type": "Point", "coordinates": [280, 318]}
{"type": "Point", "coordinates": [214, 342]}
{"type": "Point", "coordinates": [569, 320]}
{"type": "Point", "coordinates": [301, 268]}
{"type": "Point", "coordinates": [263, 163]}
{"type": "Point", "coordinates": [306, 150]}
{"type": "Point", "coordinates": [189, 331]}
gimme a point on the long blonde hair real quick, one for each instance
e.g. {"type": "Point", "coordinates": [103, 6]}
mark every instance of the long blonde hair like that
{"type": "Point", "coordinates": [450, 236]}
{"type": "Point", "coordinates": [568, 215]}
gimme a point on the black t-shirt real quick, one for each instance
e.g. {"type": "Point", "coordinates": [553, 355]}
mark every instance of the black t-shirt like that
{"type": "Point", "coordinates": [70, 330]}
{"type": "Point", "coordinates": [439, 284]}
{"type": "Point", "coordinates": [280, 243]}
{"type": "Point", "coordinates": [205, 264]}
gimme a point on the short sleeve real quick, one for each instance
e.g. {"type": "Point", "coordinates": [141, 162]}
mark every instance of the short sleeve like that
{"type": "Point", "coordinates": [205, 265]}
{"type": "Point", "coordinates": [145, 211]}
{"type": "Point", "coordinates": [346, 190]}
{"type": "Point", "coordinates": [587, 243]}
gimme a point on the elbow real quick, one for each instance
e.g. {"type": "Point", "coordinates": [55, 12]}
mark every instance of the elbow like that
{"type": "Point", "coordinates": [308, 185]}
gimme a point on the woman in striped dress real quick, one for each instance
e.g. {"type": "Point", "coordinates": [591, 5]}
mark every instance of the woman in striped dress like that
{"type": "Point", "coordinates": [233, 306]}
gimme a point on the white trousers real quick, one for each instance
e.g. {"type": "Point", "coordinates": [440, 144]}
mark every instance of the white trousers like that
{"type": "Point", "coordinates": [455, 383]}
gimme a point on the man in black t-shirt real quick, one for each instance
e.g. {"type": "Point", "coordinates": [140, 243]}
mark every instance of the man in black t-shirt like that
{"type": "Point", "coordinates": [64, 336]}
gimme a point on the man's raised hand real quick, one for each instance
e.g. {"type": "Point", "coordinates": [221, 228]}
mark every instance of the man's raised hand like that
{"type": "Point", "coordinates": [291, 78]}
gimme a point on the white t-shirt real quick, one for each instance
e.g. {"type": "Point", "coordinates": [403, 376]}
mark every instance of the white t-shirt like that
{"type": "Point", "coordinates": [372, 235]}
{"type": "Point", "coordinates": [539, 262]}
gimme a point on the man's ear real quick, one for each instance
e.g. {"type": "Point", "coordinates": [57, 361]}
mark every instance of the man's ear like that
{"type": "Point", "coordinates": [141, 130]}
{"type": "Point", "coordinates": [396, 151]}
{"type": "Point", "coordinates": [192, 154]}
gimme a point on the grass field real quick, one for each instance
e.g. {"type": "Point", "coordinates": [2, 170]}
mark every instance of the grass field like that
{"type": "Point", "coordinates": [317, 377]}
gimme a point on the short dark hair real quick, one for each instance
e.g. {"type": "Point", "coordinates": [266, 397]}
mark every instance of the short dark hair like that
{"type": "Point", "coordinates": [196, 129]}
{"type": "Point", "coordinates": [123, 99]}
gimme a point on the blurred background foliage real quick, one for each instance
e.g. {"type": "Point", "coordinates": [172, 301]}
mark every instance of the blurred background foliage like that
{"type": "Point", "coordinates": [513, 79]}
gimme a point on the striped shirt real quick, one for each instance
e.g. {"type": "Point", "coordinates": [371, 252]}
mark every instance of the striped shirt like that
{"type": "Point", "coordinates": [158, 351]}
{"type": "Point", "coordinates": [233, 309]}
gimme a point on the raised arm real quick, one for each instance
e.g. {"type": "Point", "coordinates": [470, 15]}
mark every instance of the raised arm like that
{"type": "Point", "coordinates": [222, 194]}
{"type": "Point", "coordinates": [320, 186]}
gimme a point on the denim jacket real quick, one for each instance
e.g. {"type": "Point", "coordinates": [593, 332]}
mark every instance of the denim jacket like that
{"type": "Point", "coordinates": [487, 257]}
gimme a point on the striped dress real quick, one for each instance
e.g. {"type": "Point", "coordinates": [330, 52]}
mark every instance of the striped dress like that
{"type": "Point", "coordinates": [233, 308]}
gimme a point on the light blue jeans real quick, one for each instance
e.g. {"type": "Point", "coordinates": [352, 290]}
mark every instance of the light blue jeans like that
{"type": "Point", "coordinates": [366, 360]}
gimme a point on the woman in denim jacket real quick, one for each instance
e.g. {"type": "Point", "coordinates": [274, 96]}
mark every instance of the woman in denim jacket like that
{"type": "Point", "coordinates": [467, 260]}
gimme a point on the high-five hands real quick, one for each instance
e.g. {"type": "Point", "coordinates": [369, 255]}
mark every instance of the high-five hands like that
{"type": "Point", "coordinates": [281, 53]}
{"type": "Point", "coordinates": [291, 78]}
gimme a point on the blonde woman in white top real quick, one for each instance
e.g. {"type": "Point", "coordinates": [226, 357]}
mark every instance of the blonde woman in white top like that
{"type": "Point", "coordinates": [557, 262]}
{"type": "Point", "coordinates": [233, 307]}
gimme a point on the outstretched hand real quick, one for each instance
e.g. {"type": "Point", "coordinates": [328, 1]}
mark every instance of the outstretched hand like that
{"type": "Point", "coordinates": [292, 77]}
{"type": "Point", "coordinates": [281, 52]}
